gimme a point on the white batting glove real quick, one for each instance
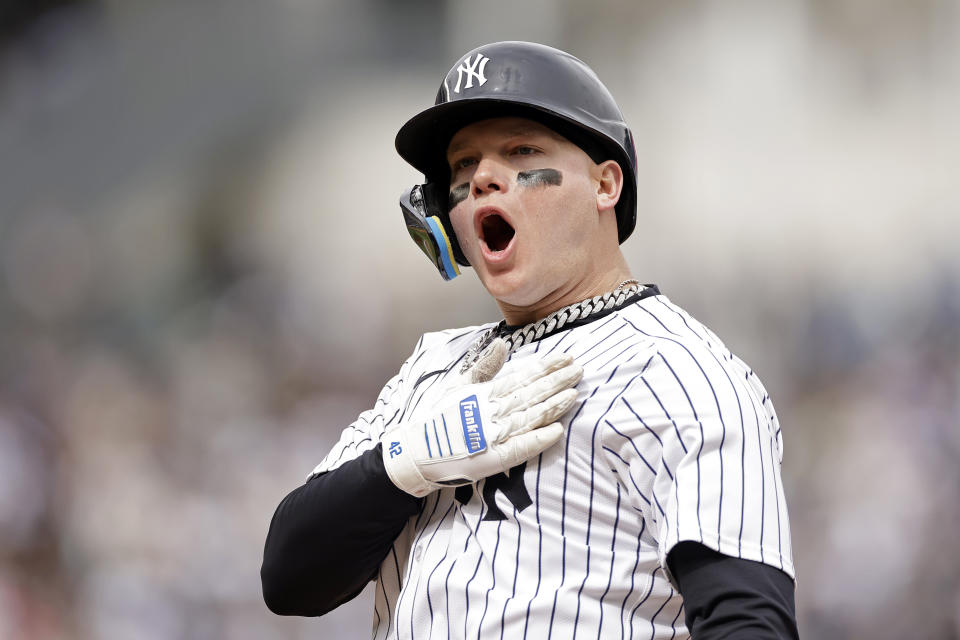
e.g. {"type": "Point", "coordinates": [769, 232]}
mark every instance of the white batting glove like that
{"type": "Point", "coordinates": [480, 429]}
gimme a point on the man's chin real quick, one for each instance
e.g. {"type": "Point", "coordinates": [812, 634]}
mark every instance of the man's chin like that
{"type": "Point", "coordinates": [516, 298]}
{"type": "Point", "coordinates": [510, 288]}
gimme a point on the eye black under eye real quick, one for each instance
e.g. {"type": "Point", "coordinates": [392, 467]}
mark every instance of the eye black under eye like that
{"type": "Point", "coordinates": [457, 195]}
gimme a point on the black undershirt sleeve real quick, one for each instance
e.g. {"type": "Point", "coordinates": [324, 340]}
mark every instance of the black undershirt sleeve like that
{"type": "Point", "coordinates": [329, 536]}
{"type": "Point", "coordinates": [726, 597]}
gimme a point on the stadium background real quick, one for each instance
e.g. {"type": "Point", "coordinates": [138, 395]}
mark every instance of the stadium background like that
{"type": "Point", "coordinates": [204, 276]}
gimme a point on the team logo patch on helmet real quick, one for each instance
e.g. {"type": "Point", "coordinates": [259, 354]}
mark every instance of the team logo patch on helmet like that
{"type": "Point", "coordinates": [472, 70]}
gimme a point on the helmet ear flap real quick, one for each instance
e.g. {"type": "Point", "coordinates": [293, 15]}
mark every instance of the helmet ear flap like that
{"type": "Point", "coordinates": [436, 200]}
{"type": "Point", "coordinates": [430, 229]}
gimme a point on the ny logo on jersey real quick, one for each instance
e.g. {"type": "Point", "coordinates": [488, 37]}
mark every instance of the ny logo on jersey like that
{"type": "Point", "coordinates": [472, 71]}
{"type": "Point", "coordinates": [512, 487]}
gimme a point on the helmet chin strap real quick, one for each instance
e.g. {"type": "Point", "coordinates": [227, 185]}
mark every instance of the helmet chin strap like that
{"type": "Point", "coordinates": [427, 230]}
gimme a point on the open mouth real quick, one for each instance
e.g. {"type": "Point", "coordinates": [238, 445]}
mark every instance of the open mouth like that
{"type": "Point", "coordinates": [496, 232]}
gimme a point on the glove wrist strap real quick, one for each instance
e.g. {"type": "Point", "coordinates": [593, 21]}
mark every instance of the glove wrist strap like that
{"type": "Point", "coordinates": [402, 469]}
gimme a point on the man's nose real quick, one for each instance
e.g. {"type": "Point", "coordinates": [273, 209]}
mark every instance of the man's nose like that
{"type": "Point", "coordinates": [489, 176]}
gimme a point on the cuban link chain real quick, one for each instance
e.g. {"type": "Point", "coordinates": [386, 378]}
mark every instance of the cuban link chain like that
{"type": "Point", "coordinates": [526, 334]}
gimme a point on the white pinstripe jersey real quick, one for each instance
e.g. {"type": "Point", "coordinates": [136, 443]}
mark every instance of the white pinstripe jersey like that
{"type": "Point", "coordinates": [672, 438]}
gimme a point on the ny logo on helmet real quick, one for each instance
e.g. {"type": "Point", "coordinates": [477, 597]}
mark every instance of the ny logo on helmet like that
{"type": "Point", "coordinates": [472, 71]}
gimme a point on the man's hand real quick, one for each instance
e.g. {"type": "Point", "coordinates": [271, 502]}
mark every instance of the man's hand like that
{"type": "Point", "coordinates": [484, 428]}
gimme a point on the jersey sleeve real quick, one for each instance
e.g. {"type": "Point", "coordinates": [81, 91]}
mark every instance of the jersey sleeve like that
{"type": "Point", "coordinates": [365, 432]}
{"type": "Point", "coordinates": [696, 442]}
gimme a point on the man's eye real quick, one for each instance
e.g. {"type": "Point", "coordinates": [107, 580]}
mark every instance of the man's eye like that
{"type": "Point", "coordinates": [462, 163]}
{"type": "Point", "coordinates": [524, 150]}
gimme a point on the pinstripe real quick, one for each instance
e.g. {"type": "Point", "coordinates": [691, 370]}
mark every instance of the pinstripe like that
{"type": "Point", "coordinates": [422, 511]}
{"type": "Point", "coordinates": [438, 564]}
{"type": "Point", "coordinates": [658, 321]}
{"type": "Point", "coordinates": [656, 501]}
{"type": "Point", "coordinates": [383, 398]}
{"type": "Point", "coordinates": [743, 482]}
{"type": "Point", "coordinates": [776, 496]}
{"type": "Point", "coordinates": [673, 623]}
{"type": "Point", "coordinates": [563, 336]}
{"type": "Point", "coordinates": [383, 586]}
{"type": "Point", "coordinates": [653, 575]}
{"type": "Point", "coordinates": [613, 556]}
{"type": "Point", "coordinates": [466, 588]}
{"type": "Point", "coordinates": [756, 416]}
{"type": "Point", "coordinates": [681, 316]}
{"type": "Point", "coordinates": [608, 349]}
{"type": "Point", "coordinates": [636, 564]}
{"type": "Point", "coordinates": [666, 467]}
{"type": "Point", "coordinates": [413, 401]}
{"type": "Point", "coordinates": [446, 584]}
{"type": "Point", "coordinates": [563, 510]}
{"type": "Point", "coordinates": [516, 574]}
{"type": "Point", "coordinates": [376, 606]}
{"type": "Point", "coordinates": [357, 443]}
{"type": "Point", "coordinates": [599, 342]}
{"type": "Point", "coordinates": [619, 355]}
{"type": "Point", "coordinates": [682, 386]}
{"type": "Point", "coordinates": [763, 483]}
{"type": "Point", "coordinates": [342, 448]}
{"type": "Point", "coordinates": [468, 332]}
{"type": "Point", "coordinates": [593, 330]}
{"type": "Point", "coordinates": [493, 581]}
{"type": "Point", "coordinates": [653, 628]}
{"type": "Point", "coordinates": [634, 482]}
{"type": "Point", "coordinates": [434, 377]}
{"type": "Point", "coordinates": [676, 429]}
{"type": "Point", "coordinates": [629, 359]}
{"type": "Point", "coordinates": [336, 460]}
{"type": "Point", "coordinates": [436, 503]}
{"type": "Point", "coordinates": [526, 622]}
{"type": "Point", "coordinates": [566, 461]}
{"type": "Point", "coordinates": [563, 562]}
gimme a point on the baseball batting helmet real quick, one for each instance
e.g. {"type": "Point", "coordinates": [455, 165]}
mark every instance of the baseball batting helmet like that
{"type": "Point", "coordinates": [522, 79]}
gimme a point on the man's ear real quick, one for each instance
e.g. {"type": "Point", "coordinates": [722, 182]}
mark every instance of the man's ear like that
{"type": "Point", "coordinates": [609, 184]}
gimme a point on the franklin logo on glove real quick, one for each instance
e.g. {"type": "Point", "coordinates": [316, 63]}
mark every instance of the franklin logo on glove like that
{"type": "Point", "coordinates": [472, 426]}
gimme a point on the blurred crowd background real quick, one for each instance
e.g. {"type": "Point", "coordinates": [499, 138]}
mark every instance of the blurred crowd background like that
{"type": "Point", "coordinates": [204, 276]}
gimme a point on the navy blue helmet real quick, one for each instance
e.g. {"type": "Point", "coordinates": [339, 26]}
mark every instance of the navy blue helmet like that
{"type": "Point", "coordinates": [522, 79]}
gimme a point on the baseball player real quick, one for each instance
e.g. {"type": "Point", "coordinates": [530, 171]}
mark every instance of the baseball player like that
{"type": "Point", "coordinates": [597, 464]}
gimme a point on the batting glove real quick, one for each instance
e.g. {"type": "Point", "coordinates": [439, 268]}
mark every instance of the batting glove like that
{"type": "Point", "coordinates": [480, 429]}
